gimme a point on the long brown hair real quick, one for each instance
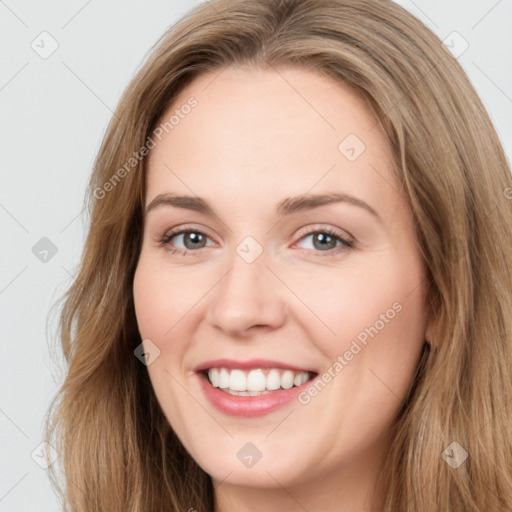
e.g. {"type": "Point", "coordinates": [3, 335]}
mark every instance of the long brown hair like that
{"type": "Point", "coordinates": [115, 447]}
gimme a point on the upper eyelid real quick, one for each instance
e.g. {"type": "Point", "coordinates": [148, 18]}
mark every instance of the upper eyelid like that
{"type": "Point", "coordinates": [305, 230]}
{"type": "Point", "coordinates": [186, 229]}
{"type": "Point", "coordinates": [317, 228]}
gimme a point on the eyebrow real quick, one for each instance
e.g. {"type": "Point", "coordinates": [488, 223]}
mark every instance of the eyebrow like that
{"type": "Point", "coordinates": [286, 207]}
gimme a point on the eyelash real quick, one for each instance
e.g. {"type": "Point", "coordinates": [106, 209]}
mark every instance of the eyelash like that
{"type": "Point", "coordinates": [346, 244]}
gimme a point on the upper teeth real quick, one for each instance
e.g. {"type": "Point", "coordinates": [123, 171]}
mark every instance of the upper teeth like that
{"type": "Point", "coordinates": [256, 380]}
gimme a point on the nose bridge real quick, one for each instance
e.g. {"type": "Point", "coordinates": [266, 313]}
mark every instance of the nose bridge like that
{"type": "Point", "coordinates": [249, 293]}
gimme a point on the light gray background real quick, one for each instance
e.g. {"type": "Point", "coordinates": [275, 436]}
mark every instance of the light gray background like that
{"type": "Point", "coordinates": [54, 113]}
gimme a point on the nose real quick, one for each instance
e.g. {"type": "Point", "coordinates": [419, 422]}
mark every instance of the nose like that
{"type": "Point", "coordinates": [248, 298]}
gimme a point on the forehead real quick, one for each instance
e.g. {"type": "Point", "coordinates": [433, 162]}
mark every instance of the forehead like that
{"type": "Point", "coordinates": [270, 133]}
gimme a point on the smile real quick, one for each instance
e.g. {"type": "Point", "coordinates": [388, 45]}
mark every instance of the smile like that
{"type": "Point", "coordinates": [255, 382]}
{"type": "Point", "coordinates": [251, 388]}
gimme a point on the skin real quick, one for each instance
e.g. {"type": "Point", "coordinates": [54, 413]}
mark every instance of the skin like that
{"type": "Point", "coordinates": [255, 138]}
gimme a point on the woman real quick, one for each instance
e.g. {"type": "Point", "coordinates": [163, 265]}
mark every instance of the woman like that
{"type": "Point", "coordinates": [295, 290]}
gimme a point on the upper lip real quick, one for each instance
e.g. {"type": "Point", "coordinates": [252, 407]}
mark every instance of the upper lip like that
{"type": "Point", "coordinates": [249, 364]}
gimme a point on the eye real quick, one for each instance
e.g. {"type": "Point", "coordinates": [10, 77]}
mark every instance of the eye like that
{"type": "Point", "coordinates": [328, 241]}
{"type": "Point", "coordinates": [192, 239]}
{"type": "Point", "coordinates": [324, 241]}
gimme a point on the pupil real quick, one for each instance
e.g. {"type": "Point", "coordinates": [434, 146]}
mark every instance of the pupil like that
{"type": "Point", "coordinates": [325, 238]}
{"type": "Point", "coordinates": [195, 237]}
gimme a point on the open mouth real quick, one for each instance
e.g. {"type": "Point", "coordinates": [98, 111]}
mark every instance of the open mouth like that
{"type": "Point", "coordinates": [256, 382]}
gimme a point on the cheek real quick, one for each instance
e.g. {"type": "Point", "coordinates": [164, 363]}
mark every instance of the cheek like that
{"type": "Point", "coordinates": [157, 309]}
{"type": "Point", "coordinates": [149, 303]}
{"type": "Point", "coordinates": [376, 319]}
{"type": "Point", "coordinates": [377, 299]}
{"type": "Point", "coordinates": [161, 298]}
{"type": "Point", "coordinates": [379, 318]}
{"type": "Point", "coordinates": [155, 303]}
{"type": "Point", "coordinates": [169, 306]}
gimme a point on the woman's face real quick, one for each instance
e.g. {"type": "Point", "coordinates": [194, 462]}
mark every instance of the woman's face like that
{"type": "Point", "coordinates": [269, 281]}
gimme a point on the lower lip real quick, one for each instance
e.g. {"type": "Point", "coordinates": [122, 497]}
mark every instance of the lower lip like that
{"type": "Point", "coordinates": [248, 406]}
